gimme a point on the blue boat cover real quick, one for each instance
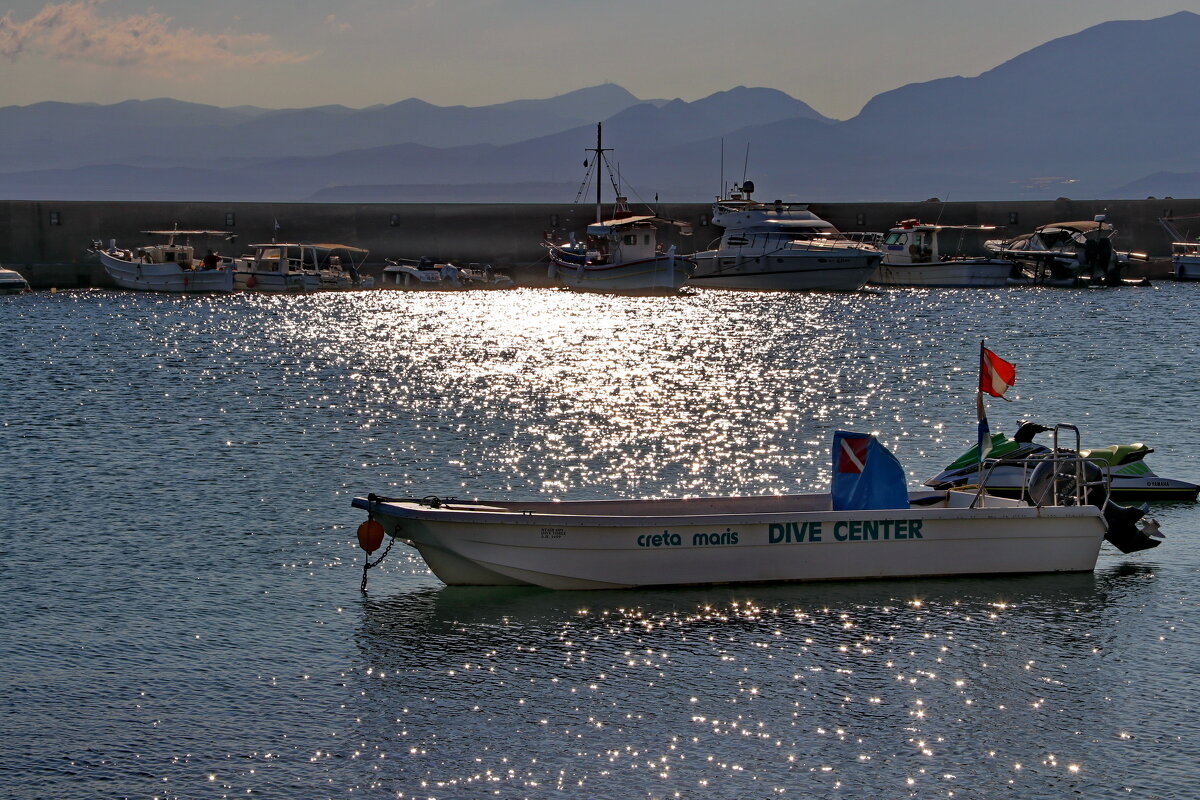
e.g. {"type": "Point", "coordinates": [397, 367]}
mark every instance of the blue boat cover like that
{"type": "Point", "coordinates": [865, 474]}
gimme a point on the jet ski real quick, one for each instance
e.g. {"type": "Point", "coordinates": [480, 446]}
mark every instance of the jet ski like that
{"type": "Point", "coordinates": [1130, 477]}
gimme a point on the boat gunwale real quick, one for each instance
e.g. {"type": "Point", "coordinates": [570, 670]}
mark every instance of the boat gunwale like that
{"type": "Point", "coordinates": [495, 515]}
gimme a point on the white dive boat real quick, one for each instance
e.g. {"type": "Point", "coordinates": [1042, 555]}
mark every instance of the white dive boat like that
{"type": "Point", "coordinates": [12, 282]}
{"type": "Point", "coordinates": [279, 267]}
{"type": "Point", "coordinates": [868, 526]}
{"type": "Point", "coordinates": [1069, 254]}
{"type": "Point", "coordinates": [622, 253]}
{"type": "Point", "coordinates": [1185, 250]}
{"type": "Point", "coordinates": [167, 267]}
{"type": "Point", "coordinates": [1130, 478]}
{"type": "Point", "coordinates": [916, 254]}
{"type": "Point", "coordinates": [780, 247]}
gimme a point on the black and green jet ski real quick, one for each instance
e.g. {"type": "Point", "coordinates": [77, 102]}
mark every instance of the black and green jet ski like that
{"type": "Point", "coordinates": [1130, 477]}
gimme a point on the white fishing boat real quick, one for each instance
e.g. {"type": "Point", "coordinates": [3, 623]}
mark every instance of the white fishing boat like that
{"type": "Point", "coordinates": [1185, 261]}
{"type": "Point", "coordinates": [950, 256]}
{"type": "Point", "coordinates": [279, 267]}
{"type": "Point", "coordinates": [623, 253]}
{"type": "Point", "coordinates": [868, 526]}
{"type": "Point", "coordinates": [12, 282]}
{"type": "Point", "coordinates": [170, 266]}
{"type": "Point", "coordinates": [1069, 254]}
{"type": "Point", "coordinates": [1185, 249]}
{"type": "Point", "coordinates": [780, 247]}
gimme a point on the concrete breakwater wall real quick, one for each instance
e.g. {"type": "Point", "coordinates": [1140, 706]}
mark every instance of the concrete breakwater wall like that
{"type": "Point", "coordinates": [47, 241]}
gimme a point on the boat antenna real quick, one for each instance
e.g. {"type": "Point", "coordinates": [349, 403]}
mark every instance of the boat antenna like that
{"type": "Point", "coordinates": [746, 163]}
{"type": "Point", "coordinates": [941, 208]}
{"type": "Point", "coordinates": [721, 193]}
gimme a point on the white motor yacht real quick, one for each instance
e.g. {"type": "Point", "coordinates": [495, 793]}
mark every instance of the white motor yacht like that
{"type": "Point", "coordinates": [780, 247]}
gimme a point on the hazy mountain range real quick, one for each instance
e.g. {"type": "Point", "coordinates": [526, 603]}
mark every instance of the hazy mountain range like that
{"type": "Point", "coordinates": [1105, 113]}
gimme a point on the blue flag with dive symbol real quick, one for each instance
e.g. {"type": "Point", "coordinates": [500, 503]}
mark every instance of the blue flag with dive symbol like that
{"type": "Point", "coordinates": [865, 474]}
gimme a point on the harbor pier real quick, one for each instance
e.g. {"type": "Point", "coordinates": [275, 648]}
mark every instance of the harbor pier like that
{"type": "Point", "coordinates": [48, 241]}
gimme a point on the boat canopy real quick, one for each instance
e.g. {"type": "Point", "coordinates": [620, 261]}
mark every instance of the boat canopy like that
{"type": "Point", "coordinates": [186, 233]}
{"type": "Point", "coordinates": [612, 225]}
{"type": "Point", "coordinates": [1084, 226]}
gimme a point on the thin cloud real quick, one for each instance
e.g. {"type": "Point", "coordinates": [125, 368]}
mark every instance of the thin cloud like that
{"type": "Point", "coordinates": [332, 23]}
{"type": "Point", "coordinates": [74, 31]}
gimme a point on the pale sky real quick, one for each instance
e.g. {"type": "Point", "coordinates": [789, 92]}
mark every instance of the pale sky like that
{"type": "Point", "coordinates": [291, 53]}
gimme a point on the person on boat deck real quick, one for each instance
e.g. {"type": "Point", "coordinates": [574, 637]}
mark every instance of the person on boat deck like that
{"type": "Point", "coordinates": [211, 260]}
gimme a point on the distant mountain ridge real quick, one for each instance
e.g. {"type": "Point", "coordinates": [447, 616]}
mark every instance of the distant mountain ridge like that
{"type": "Point", "coordinates": [1105, 111]}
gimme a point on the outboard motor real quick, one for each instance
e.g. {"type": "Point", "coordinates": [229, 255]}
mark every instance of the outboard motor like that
{"type": "Point", "coordinates": [1059, 481]}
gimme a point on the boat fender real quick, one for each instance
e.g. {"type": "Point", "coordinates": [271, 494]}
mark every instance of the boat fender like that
{"type": "Point", "coordinates": [251, 282]}
{"type": "Point", "coordinates": [370, 535]}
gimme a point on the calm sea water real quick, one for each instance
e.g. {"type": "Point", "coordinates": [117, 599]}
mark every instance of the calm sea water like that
{"type": "Point", "coordinates": [180, 582]}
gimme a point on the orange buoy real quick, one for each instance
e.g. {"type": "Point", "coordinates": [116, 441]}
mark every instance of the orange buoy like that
{"type": "Point", "coordinates": [370, 535]}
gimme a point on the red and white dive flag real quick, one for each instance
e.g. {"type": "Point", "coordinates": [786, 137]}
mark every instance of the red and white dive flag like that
{"type": "Point", "coordinates": [995, 377]}
{"type": "Point", "coordinates": [995, 374]}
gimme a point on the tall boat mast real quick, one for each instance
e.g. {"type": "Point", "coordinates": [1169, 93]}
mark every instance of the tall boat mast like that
{"type": "Point", "coordinates": [599, 150]}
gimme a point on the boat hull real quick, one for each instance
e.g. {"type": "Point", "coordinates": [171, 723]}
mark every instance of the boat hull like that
{"type": "Point", "coordinates": [12, 282]}
{"type": "Point", "coordinates": [815, 273]}
{"type": "Point", "coordinates": [256, 281]}
{"type": "Point", "coordinates": [624, 544]}
{"type": "Point", "coordinates": [663, 273]}
{"type": "Point", "coordinates": [948, 274]}
{"type": "Point", "coordinates": [165, 277]}
{"type": "Point", "coordinates": [1186, 269]}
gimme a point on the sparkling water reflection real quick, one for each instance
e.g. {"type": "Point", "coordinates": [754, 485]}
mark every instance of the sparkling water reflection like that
{"type": "Point", "coordinates": [180, 577]}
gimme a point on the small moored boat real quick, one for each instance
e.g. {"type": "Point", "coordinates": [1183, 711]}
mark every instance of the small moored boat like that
{"type": "Point", "coordinates": [12, 282]}
{"type": "Point", "coordinates": [947, 256]}
{"type": "Point", "coordinates": [867, 526]}
{"type": "Point", "coordinates": [1069, 254]}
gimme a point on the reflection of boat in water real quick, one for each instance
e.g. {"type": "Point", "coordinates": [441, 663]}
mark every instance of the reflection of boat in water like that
{"type": "Point", "coordinates": [868, 526]}
{"type": "Point", "coordinates": [12, 282]}
{"type": "Point", "coordinates": [1069, 254]}
{"type": "Point", "coordinates": [622, 253]}
{"type": "Point", "coordinates": [915, 254]}
{"type": "Point", "coordinates": [1129, 476]}
{"type": "Point", "coordinates": [780, 247]}
{"type": "Point", "coordinates": [167, 267]}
